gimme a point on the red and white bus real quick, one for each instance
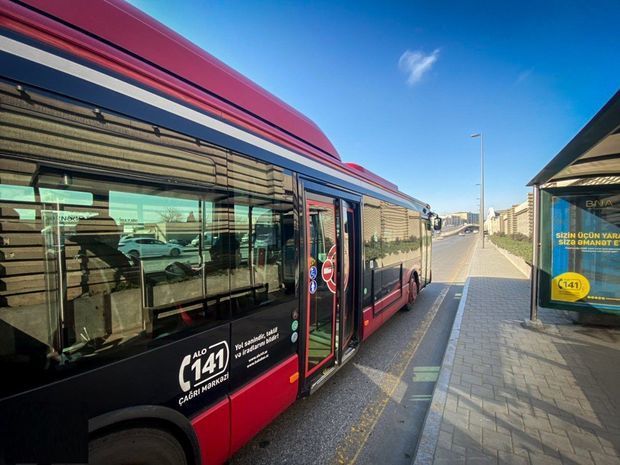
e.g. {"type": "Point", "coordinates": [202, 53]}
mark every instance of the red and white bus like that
{"type": "Point", "coordinates": [182, 254]}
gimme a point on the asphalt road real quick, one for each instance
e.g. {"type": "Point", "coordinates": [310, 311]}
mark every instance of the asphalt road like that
{"type": "Point", "coordinates": [372, 410]}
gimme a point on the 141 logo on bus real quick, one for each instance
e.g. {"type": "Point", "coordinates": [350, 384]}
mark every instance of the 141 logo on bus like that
{"type": "Point", "coordinates": [203, 370]}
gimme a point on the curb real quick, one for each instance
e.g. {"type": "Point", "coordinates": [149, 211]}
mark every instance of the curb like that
{"type": "Point", "coordinates": [432, 423]}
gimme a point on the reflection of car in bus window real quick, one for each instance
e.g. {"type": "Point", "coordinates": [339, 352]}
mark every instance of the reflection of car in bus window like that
{"type": "Point", "coordinates": [207, 242]}
{"type": "Point", "coordinates": [145, 247]}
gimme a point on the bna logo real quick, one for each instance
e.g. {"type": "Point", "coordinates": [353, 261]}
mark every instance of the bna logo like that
{"type": "Point", "coordinates": [599, 203]}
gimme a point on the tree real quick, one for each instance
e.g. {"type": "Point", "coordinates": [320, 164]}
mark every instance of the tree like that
{"type": "Point", "coordinates": [171, 215]}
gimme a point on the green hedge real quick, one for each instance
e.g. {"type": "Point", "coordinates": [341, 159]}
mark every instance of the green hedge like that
{"type": "Point", "coordinates": [518, 245]}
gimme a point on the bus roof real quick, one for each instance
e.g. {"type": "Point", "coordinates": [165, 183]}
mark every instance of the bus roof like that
{"type": "Point", "coordinates": [116, 35]}
{"type": "Point", "coordinates": [141, 35]}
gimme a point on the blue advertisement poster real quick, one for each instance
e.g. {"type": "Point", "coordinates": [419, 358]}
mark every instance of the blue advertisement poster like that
{"type": "Point", "coordinates": [585, 260]}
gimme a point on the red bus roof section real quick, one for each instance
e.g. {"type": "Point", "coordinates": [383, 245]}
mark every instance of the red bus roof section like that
{"type": "Point", "coordinates": [125, 26]}
{"type": "Point", "coordinates": [370, 175]}
{"type": "Point", "coordinates": [118, 36]}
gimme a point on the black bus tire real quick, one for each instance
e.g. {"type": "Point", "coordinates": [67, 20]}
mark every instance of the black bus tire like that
{"type": "Point", "coordinates": [137, 446]}
{"type": "Point", "coordinates": [413, 286]}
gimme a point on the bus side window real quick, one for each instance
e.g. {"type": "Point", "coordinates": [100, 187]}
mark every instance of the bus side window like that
{"type": "Point", "coordinates": [28, 314]}
{"type": "Point", "coordinates": [112, 261]}
{"type": "Point", "coordinates": [262, 218]}
{"type": "Point", "coordinates": [264, 266]}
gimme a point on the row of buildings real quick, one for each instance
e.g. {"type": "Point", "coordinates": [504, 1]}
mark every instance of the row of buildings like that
{"type": "Point", "coordinates": [518, 219]}
{"type": "Point", "coordinates": [454, 220]}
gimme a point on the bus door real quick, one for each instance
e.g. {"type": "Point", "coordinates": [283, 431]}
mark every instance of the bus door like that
{"type": "Point", "coordinates": [429, 253]}
{"type": "Point", "coordinates": [330, 277]}
{"type": "Point", "coordinates": [426, 252]}
{"type": "Point", "coordinates": [349, 253]}
{"type": "Point", "coordinates": [321, 303]}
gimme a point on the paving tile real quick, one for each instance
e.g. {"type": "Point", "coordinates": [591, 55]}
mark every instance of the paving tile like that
{"type": "Point", "coordinates": [443, 453]}
{"type": "Point", "coordinates": [448, 428]}
{"type": "Point", "coordinates": [506, 458]}
{"type": "Point", "coordinates": [486, 460]}
{"type": "Point", "coordinates": [585, 440]}
{"type": "Point", "coordinates": [539, 423]}
{"type": "Point", "coordinates": [495, 406]}
{"type": "Point", "coordinates": [600, 459]}
{"type": "Point", "coordinates": [611, 451]}
{"type": "Point", "coordinates": [572, 459]}
{"type": "Point", "coordinates": [460, 450]}
{"type": "Point", "coordinates": [527, 440]}
{"type": "Point", "coordinates": [444, 440]}
{"type": "Point", "coordinates": [469, 438]}
{"type": "Point", "coordinates": [482, 419]}
{"type": "Point", "coordinates": [563, 423]}
{"type": "Point", "coordinates": [510, 422]}
{"type": "Point", "coordinates": [458, 420]}
{"type": "Point", "coordinates": [494, 440]}
{"type": "Point", "coordinates": [450, 461]}
{"type": "Point", "coordinates": [483, 392]}
{"type": "Point", "coordinates": [557, 442]}
{"type": "Point", "coordinates": [540, 459]}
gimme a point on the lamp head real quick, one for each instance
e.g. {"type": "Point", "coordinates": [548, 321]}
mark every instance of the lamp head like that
{"type": "Point", "coordinates": [475, 135]}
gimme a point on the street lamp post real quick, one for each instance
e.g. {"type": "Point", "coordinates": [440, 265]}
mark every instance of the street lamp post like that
{"type": "Point", "coordinates": [481, 219]}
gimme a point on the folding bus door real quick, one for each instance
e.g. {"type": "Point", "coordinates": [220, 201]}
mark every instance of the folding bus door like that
{"type": "Point", "coordinates": [321, 303]}
{"type": "Point", "coordinates": [330, 277]}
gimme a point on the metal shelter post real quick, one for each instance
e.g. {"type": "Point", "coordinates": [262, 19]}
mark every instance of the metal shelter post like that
{"type": "Point", "coordinates": [535, 260]}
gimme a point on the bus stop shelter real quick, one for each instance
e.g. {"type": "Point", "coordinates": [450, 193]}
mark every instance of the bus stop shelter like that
{"type": "Point", "coordinates": [576, 262]}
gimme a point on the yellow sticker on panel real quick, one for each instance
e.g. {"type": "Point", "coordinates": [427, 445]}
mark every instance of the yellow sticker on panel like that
{"type": "Point", "coordinates": [569, 287]}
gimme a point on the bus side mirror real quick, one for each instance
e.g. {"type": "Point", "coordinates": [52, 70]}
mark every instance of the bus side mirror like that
{"type": "Point", "coordinates": [437, 223]}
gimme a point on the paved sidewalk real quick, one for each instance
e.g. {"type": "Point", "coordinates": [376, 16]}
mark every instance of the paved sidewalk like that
{"type": "Point", "coordinates": [512, 395]}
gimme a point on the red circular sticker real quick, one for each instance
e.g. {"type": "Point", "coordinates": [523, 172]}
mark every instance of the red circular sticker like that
{"type": "Point", "coordinates": [331, 285]}
{"type": "Point", "coordinates": [327, 271]}
{"type": "Point", "coordinates": [331, 255]}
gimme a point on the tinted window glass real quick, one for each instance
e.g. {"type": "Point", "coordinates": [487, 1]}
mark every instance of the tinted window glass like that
{"type": "Point", "coordinates": [263, 243]}
{"type": "Point", "coordinates": [391, 242]}
{"type": "Point", "coordinates": [120, 266]}
{"type": "Point", "coordinates": [29, 310]}
{"type": "Point", "coordinates": [64, 262]}
{"type": "Point", "coordinates": [262, 227]}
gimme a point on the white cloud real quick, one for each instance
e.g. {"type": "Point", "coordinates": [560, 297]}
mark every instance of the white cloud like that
{"type": "Point", "coordinates": [415, 64]}
{"type": "Point", "coordinates": [523, 76]}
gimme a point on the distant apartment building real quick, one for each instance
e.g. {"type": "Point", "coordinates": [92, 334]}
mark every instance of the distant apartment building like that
{"type": "Point", "coordinates": [518, 219]}
{"type": "Point", "coordinates": [457, 219]}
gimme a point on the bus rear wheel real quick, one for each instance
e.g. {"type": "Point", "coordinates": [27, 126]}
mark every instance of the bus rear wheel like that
{"type": "Point", "coordinates": [413, 294]}
{"type": "Point", "coordinates": [137, 446]}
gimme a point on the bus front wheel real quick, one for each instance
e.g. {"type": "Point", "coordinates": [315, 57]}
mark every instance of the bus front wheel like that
{"type": "Point", "coordinates": [137, 446]}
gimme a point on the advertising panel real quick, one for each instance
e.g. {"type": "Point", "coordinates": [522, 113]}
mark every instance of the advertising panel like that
{"type": "Point", "coordinates": [585, 252]}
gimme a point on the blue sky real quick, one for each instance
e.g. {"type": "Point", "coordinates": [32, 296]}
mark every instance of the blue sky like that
{"type": "Point", "coordinates": [399, 86]}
